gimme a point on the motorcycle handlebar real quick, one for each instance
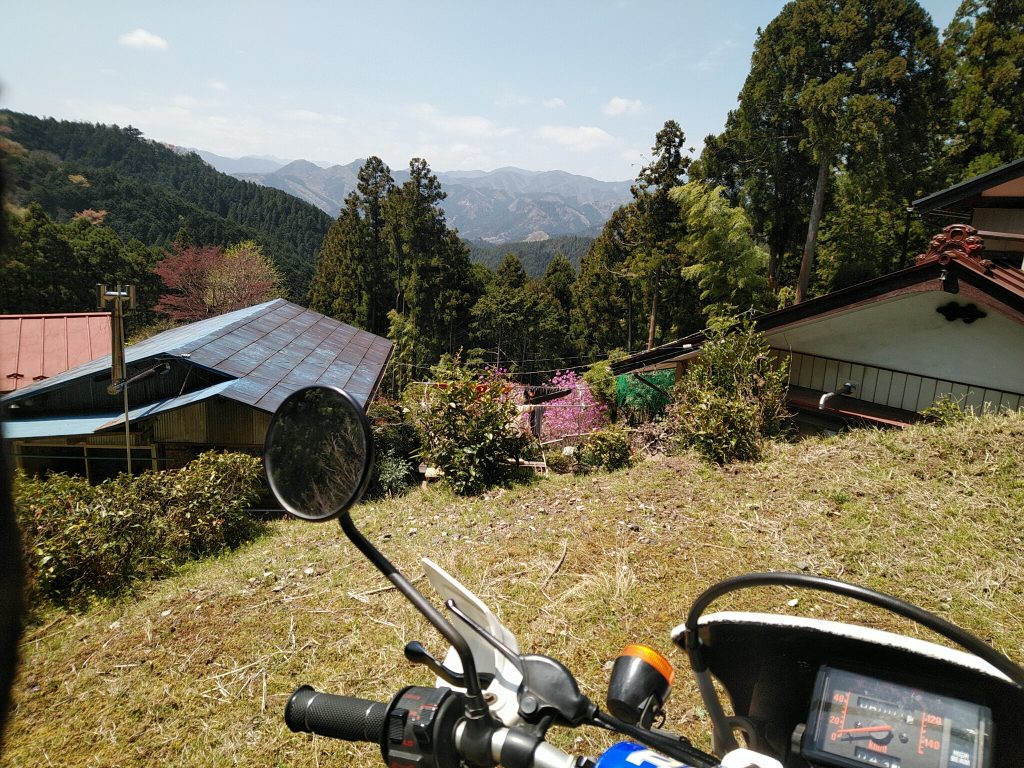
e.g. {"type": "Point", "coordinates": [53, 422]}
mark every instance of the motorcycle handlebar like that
{"type": "Point", "coordinates": [354, 719]}
{"type": "Point", "coordinates": [339, 717]}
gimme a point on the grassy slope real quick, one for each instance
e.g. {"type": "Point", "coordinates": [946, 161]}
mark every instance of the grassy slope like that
{"type": "Point", "coordinates": [197, 669]}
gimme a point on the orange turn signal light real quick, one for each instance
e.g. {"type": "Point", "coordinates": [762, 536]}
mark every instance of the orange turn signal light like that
{"type": "Point", "coordinates": [652, 657]}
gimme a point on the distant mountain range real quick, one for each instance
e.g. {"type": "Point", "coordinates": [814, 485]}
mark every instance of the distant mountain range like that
{"type": "Point", "coordinates": [502, 206]}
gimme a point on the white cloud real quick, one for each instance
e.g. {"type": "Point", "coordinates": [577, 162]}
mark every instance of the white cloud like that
{"type": "Point", "coordinates": [555, 103]}
{"type": "Point", "coordinates": [583, 138]}
{"type": "Point", "coordinates": [619, 106]}
{"type": "Point", "coordinates": [140, 38]}
{"type": "Point", "coordinates": [463, 125]}
{"type": "Point", "coordinates": [219, 85]}
{"type": "Point", "coordinates": [309, 116]}
{"type": "Point", "coordinates": [184, 102]}
{"type": "Point", "coordinates": [712, 59]}
{"type": "Point", "coordinates": [512, 100]}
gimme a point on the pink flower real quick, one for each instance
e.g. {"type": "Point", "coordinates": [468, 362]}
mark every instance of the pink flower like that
{"type": "Point", "coordinates": [576, 413]}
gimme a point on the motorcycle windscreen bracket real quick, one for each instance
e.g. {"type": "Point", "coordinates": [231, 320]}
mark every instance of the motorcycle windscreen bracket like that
{"type": "Point", "coordinates": [507, 678]}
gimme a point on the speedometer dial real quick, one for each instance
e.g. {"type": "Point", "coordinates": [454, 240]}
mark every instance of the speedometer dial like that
{"type": "Point", "coordinates": [857, 720]}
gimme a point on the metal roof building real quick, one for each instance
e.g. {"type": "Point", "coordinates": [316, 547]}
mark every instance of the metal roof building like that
{"type": "Point", "coordinates": [211, 384]}
{"type": "Point", "coordinates": [37, 347]}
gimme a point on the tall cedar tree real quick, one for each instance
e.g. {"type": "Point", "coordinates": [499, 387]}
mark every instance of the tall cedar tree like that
{"type": "Point", "coordinates": [984, 51]}
{"type": "Point", "coordinates": [390, 265]}
{"type": "Point", "coordinates": [835, 86]}
{"type": "Point", "coordinates": [656, 227]}
{"type": "Point", "coordinates": [604, 312]}
{"type": "Point", "coordinates": [502, 316]}
{"type": "Point", "coordinates": [431, 266]}
{"type": "Point", "coordinates": [355, 280]}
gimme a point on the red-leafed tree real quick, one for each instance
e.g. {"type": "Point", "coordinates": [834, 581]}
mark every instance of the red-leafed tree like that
{"type": "Point", "coordinates": [186, 273]}
{"type": "Point", "coordinates": [208, 280]}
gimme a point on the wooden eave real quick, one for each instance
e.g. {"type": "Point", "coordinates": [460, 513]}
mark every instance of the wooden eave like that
{"type": "Point", "coordinates": [954, 263]}
{"type": "Point", "coordinates": [977, 192]}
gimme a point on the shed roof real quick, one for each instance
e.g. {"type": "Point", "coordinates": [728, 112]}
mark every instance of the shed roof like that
{"type": "Point", "coordinates": [267, 351]}
{"type": "Point", "coordinates": [38, 347]}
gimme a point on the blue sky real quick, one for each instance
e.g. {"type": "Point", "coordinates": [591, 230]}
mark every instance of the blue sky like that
{"type": "Point", "coordinates": [466, 84]}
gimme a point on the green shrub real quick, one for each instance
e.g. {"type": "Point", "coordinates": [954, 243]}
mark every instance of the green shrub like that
{"type": "Point", "coordinates": [607, 449]}
{"type": "Point", "coordinates": [468, 426]}
{"type": "Point", "coordinates": [395, 444]}
{"type": "Point", "coordinates": [946, 410]}
{"type": "Point", "coordinates": [558, 462]}
{"type": "Point", "coordinates": [207, 503]}
{"type": "Point", "coordinates": [598, 377]}
{"type": "Point", "coordinates": [392, 475]}
{"type": "Point", "coordinates": [393, 429]}
{"type": "Point", "coordinates": [731, 398]}
{"type": "Point", "coordinates": [84, 541]}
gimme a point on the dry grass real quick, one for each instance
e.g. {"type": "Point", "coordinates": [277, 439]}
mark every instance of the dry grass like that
{"type": "Point", "coordinates": [196, 670]}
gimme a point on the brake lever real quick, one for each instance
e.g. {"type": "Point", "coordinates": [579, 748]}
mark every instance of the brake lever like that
{"type": "Point", "coordinates": [417, 654]}
{"type": "Point", "coordinates": [548, 691]}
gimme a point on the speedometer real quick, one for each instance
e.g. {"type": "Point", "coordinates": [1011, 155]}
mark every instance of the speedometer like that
{"type": "Point", "coordinates": [857, 720]}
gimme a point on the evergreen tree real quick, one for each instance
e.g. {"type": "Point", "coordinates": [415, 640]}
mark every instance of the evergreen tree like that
{"type": "Point", "coordinates": [336, 289]}
{"type": "Point", "coordinates": [759, 163]}
{"type": "Point", "coordinates": [836, 86]}
{"type": "Point", "coordinates": [604, 313]}
{"type": "Point", "coordinates": [559, 280]}
{"type": "Point", "coordinates": [984, 51]}
{"type": "Point", "coordinates": [502, 316]}
{"type": "Point", "coordinates": [431, 264]}
{"type": "Point", "coordinates": [354, 280]}
{"type": "Point", "coordinates": [42, 272]}
{"type": "Point", "coordinates": [655, 226]}
{"type": "Point", "coordinates": [54, 268]}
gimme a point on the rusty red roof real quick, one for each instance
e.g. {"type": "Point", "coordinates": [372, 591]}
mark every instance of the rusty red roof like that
{"type": "Point", "coordinates": [36, 347]}
{"type": "Point", "coordinates": [963, 245]}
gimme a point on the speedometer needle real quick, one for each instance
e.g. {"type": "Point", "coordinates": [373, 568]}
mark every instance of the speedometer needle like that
{"type": "Point", "coordinates": [868, 729]}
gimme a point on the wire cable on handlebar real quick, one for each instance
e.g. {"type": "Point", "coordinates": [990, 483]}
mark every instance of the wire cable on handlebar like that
{"type": "Point", "coordinates": [476, 707]}
{"type": "Point", "coordinates": [676, 747]}
{"type": "Point", "coordinates": [879, 599]}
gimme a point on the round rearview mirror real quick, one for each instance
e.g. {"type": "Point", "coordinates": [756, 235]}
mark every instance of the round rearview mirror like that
{"type": "Point", "coordinates": [318, 453]}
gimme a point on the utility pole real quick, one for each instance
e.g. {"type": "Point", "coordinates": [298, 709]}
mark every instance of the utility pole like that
{"type": "Point", "coordinates": [118, 368]}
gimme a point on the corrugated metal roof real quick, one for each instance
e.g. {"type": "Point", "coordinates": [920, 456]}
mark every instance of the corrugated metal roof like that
{"type": "Point", "coordinates": [38, 347]}
{"type": "Point", "coordinates": [169, 404]}
{"type": "Point", "coordinates": [268, 351]}
{"type": "Point", "coordinates": [62, 426]}
{"type": "Point", "coordinates": [269, 342]}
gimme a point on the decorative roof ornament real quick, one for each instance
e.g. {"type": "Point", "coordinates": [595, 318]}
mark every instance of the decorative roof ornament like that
{"type": "Point", "coordinates": [957, 241]}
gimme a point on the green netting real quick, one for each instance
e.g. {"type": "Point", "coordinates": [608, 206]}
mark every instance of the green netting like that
{"type": "Point", "coordinates": [633, 393]}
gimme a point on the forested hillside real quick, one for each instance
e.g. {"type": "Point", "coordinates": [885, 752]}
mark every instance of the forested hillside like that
{"type": "Point", "coordinates": [535, 256]}
{"type": "Point", "coordinates": [150, 193]}
{"type": "Point", "coordinates": [502, 206]}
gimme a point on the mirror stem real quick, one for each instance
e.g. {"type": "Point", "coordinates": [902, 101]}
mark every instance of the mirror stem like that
{"type": "Point", "coordinates": [476, 707]}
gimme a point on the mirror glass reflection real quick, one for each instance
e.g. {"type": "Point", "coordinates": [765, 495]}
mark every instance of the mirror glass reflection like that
{"type": "Point", "coordinates": [318, 453]}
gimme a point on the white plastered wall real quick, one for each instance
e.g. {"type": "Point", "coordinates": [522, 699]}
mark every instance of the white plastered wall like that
{"type": "Point", "coordinates": [907, 334]}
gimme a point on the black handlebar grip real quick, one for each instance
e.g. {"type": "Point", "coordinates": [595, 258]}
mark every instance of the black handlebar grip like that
{"type": "Point", "coordinates": [339, 717]}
